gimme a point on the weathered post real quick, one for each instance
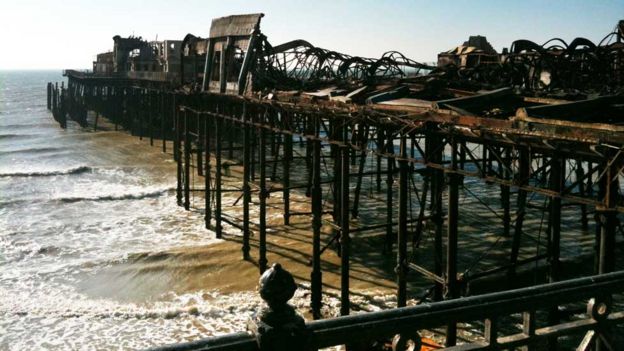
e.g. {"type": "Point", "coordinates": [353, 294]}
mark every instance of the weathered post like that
{"type": "Point", "coordinates": [218, 170]}
{"type": "Point", "coordinates": [345, 240]}
{"type": "Point", "coordinates": [317, 212]}
{"type": "Point", "coordinates": [207, 175]}
{"type": "Point", "coordinates": [524, 172]}
{"type": "Point", "coordinates": [187, 162]}
{"type": "Point", "coordinates": [278, 326]}
{"type": "Point", "coordinates": [401, 268]}
{"type": "Point", "coordinates": [246, 178]}
{"type": "Point", "coordinates": [557, 179]}
{"type": "Point", "coordinates": [262, 260]}
{"type": "Point", "coordinates": [451, 244]}
{"type": "Point", "coordinates": [389, 181]}
{"type": "Point", "coordinates": [287, 159]}
{"type": "Point", "coordinates": [176, 156]}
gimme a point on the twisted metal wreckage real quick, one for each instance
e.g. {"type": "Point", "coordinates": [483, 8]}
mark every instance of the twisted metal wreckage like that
{"type": "Point", "coordinates": [541, 122]}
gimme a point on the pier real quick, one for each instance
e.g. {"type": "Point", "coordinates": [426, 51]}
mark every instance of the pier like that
{"type": "Point", "coordinates": [390, 151]}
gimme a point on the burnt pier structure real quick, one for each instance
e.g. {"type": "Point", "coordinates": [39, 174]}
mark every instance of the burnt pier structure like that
{"type": "Point", "coordinates": [539, 124]}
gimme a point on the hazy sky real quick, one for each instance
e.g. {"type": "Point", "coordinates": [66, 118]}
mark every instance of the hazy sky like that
{"type": "Point", "coordinates": [68, 33]}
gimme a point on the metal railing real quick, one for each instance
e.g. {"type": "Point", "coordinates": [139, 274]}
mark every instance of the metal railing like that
{"type": "Point", "coordinates": [403, 324]}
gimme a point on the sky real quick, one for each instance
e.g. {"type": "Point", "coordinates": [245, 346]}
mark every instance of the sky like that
{"type": "Point", "coordinates": [37, 34]}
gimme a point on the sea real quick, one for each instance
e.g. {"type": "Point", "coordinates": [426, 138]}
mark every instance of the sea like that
{"type": "Point", "coordinates": [82, 213]}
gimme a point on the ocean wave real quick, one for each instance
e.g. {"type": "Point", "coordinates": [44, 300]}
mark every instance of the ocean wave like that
{"type": "Point", "coordinates": [13, 136]}
{"type": "Point", "coordinates": [76, 170]}
{"type": "Point", "coordinates": [108, 197]}
{"type": "Point", "coordinates": [116, 197]}
{"type": "Point", "coordinates": [31, 150]}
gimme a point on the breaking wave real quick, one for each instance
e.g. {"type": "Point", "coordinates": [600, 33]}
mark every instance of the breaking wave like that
{"type": "Point", "coordinates": [76, 170]}
{"type": "Point", "coordinates": [116, 197]}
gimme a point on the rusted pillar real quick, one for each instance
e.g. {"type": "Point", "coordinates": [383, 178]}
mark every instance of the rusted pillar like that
{"type": "Point", "coordinates": [187, 162]}
{"type": "Point", "coordinates": [607, 214]}
{"type": "Point", "coordinates": [335, 153]}
{"type": "Point", "coordinates": [452, 289]}
{"type": "Point", "coordinates": [358, 187]}
{"type": "Point", "coordinates": [49, 95]}
{"type": "Point", "coordinates": [140, 112]}
{"type": "Point", "coordinates": [380, 142]}
{"type": "Point", "coordinates": [218, 174]}
{"type": "Point", "coordinates": [207, 175]}
{"type": "Point", "coordinates": [176, 153]}
{"type": "Point", "coordinates": [150, 110]}
{"type": "Point", "coordinates": [524, 169]}
{"type": "Point", "coordinates": [200, 136]}
{"type": "Point", "coordinates": [262, 260]}
{"type": "Point", "coordinates": [163, 121]}
{"type": "Point", "coordinates": [580, 174]}
{"type": "Point", "coordinates": [401, 267]}
{"type": "Point", "coordinates": [317, 215]}
{"type": "Point", "coordinates": [174, 113]}
{"type": "Point", "coordinates": [434, 150]}
{"type": "Point", "coordinates": [389, 181]}
{"type": "Point", "coordinates": [557, 179]}
{"type": "Point", "coordinates": [310, 124]}
{"type": "Point", "coordinates": [345, 240]}
{"type": "Point", "coordinates": [287, 159]}
{"type": "Point", "coordinates": [505, 192]}
{"type": "Point", "coordinates": [246, 178]}
{"type": "Point", "coordinates": [95, 122]}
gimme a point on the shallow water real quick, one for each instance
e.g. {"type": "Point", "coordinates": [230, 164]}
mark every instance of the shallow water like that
{"type": "Point", "coordinates": [78, 210]}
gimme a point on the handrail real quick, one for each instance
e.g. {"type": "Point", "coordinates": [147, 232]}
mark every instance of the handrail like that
{"type": "Point", "coordinates": [382, 324]}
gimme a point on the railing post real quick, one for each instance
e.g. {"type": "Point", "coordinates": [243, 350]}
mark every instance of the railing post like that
{"type": "Point", "coordinates": [277, 326]}
{"type": "Point", "coordinates": [528, 328]}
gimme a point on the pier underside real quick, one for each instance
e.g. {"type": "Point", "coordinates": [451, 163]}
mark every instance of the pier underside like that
{"type": "Point", "coordinates": [464, 190]}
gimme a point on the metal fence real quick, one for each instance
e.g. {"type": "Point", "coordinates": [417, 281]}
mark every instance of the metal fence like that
{"type": "Point", "coordinates": [593, 326]}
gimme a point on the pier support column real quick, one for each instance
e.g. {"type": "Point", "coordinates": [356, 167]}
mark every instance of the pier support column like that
{"type": "Point", "coordinates": [218, 174]}
{"type": "Point", "coordinates": [345, 240]}
{"type": "Point", "coordinates": [177, 157]}
{"type": "Point", "coordinates": [401, 268]}
{"type": "Point", "coordinates": [524, 172]}
{"type": "Point", "coordinates": [389, 183]}
{"type": "Point", "coordinates": [317, 216]}
{"type": "Point", "coordinates": [505, 163]}
{"type": "Point", "coordinates": [200, 146]}
{"type": "Point", "coordinates": [187, 162]}
{"type": "Point", "coordinates": [434, 151]}
{"type": "Point", "coordinates": [452, 289]}
{"type": "Point", "coordinates": [262, 260]}
{"type": "Point", "coordinates": [163, 120]}
{"type": "Point", "coordinates": [207, 175]}
{"type": "Point", "coordinates": [358, 187]}
{"type": "Point", "coordinates": [246, 178]}
{"type": "Point", "coordinates": [580, 175]}
{"type": "Point", "coordinates": [557, 179]}
{"type": "Point", "coordinates": [287, 159]}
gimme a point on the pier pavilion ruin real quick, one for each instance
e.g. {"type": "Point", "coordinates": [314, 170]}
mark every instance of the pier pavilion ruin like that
{"type": "Point", "coordinates": [540, 124]}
